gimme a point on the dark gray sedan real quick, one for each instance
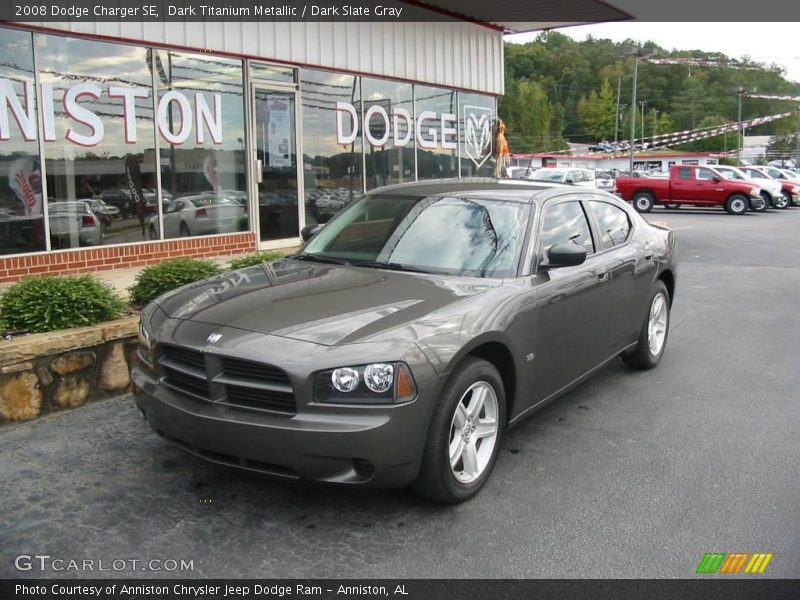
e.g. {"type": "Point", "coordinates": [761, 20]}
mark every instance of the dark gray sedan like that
{"type": "Point", "coordinates": [409, 332]}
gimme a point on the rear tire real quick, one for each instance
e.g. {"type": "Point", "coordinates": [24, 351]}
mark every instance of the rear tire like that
{"type": "Point", "coordinates": [736, 204]}
{"type": "Point", "coordinates": [643, 202]}
{"type": "Point", "coordinates": [184, 230]}
{"type": "Point", "coordinates": [464, 433]}
{"type": "Point", "coordinates": [654, 333]}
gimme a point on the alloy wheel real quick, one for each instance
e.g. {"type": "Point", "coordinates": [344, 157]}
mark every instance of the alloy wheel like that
{"type": "Point", "coordinates": [657, 324]}
{"type": "Point", "coordinates": [473, 432]}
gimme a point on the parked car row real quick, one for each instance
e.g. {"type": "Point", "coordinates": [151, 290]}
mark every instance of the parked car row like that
{"type": "Point", "coordinates": [737, 190]}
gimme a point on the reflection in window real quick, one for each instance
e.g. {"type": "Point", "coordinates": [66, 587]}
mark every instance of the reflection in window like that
{"type": "Point", "coordinates": [476, 129]}
{"type": "Point", "coordinates": [201, 123]}
{"type": "Point", "coordinates": [613, 223]}
{"type": "Point", "coordinates": [98, 129]}
{"type": "Point", "coordinates": [332, 172]}
{"type": "Point", "coordinates": [389, 143]}
{"type": "Point", "coordinates": [437, 132]}
{"type": "Point", "coordinates": [21, 209]}
{"type": "Point", "coordinates": [472, 237]}
{"type": "Point", "coordinates": [566, 223]}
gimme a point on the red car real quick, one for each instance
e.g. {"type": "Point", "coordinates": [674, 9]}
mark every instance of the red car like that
{"type": "Point", "coordinates": [691, 185]}
{"type": "Point", "coordinates": [790, 182]}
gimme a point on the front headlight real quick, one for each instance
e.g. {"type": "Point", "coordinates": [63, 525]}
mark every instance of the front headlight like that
{"type": "Point", "coordinates": [796, 190]}
{"type": "Point", "coordinates": [755, 193]}
{"type": "Point", "coordinates": [375, 383]}
{"type": "Point", "coordinates": [146, 357]}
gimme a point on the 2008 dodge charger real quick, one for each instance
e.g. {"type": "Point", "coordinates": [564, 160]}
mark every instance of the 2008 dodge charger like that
{"type": "Point", "coordinates": [408, 333]}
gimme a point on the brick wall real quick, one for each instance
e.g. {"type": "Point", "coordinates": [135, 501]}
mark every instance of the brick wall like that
{"type": "Point", "coordinates": [85, 260]}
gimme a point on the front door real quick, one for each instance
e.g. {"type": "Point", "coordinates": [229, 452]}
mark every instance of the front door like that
{"type": "Point", "coordinates": [276, 175]}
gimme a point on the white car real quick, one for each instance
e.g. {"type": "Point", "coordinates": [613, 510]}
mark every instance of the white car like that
{"type": "Point", "coordinates": [763, 177]}
{"type": "Point", "coordinates": [582, 177]}
{"type": "Point", "coordinates": [200, 215]}
{"type": "Point", "coordinates": [74, 224]}
{"type": "Point", "coordinates": [770, 189]}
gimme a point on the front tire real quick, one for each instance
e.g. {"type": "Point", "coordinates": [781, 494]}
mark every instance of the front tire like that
{"type": "Point", "coordinates": [736, 205]}
{"type": "Point", "coordinates": [654, 333]}
{"type": "Point", "coordinates": [782, 201]}
{"type": "Point", "coordinates": [643, 202]}
{"type": "Point", "coordinates": [464, 433]}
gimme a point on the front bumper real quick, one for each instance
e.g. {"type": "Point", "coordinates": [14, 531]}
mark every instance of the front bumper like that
{"type": "Point", "coordinates": [757, 202]}
{"type": "Point", "coordinates": [369, 445]}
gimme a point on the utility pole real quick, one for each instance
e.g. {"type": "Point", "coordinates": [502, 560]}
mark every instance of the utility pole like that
{"type": "Point", "coordinates": [643, 103]}
{"type": "Point", "coordinates": [616, 125]}
{"type": "Point", "coordinates": [637, 53]}
{"type": "Point", "coordinates": [655, 121]}
{"type": "Point", "coordinates": [739, 130]}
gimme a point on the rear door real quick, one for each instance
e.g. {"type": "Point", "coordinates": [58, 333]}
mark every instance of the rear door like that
{"type": "Point", "coordinates": [630, 268]}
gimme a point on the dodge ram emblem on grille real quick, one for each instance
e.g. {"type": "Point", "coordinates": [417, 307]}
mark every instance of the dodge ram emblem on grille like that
{"type": "Point", "coordinates": [214, 338]}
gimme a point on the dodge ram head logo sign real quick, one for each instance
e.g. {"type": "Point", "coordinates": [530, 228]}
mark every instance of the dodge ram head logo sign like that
{"type": "Point", "coordinates": [478, 133]}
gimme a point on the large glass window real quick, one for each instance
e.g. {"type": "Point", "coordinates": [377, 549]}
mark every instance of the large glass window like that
{"type": "Point", "coordinates": [477, 122]}
{"type": "Point", "coordinates": [613, 222]}
{"type": "Point", "coordinates": [388, 115]}
{"type": "Point", "coordinates": [97, 114]}
{"type": "Point", "coordinates": [437, 132]}
{"type": "Point", "coordinates": [21, 210]}
{"type": "Point", "coordinates": [332, 167]}
{"type": "Point", "coordinates": [201, 123]}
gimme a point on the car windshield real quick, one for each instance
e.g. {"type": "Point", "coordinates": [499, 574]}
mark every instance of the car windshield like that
{"type": "Point", "coordinates": [435, 234]}
{"type": "Point", "coordinates": [547, 175]}
{"type": "Point", "coordinates": [730, 174]}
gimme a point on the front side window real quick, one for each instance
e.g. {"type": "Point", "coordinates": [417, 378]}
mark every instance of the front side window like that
{"type": "Point", "coordinates": [613, 222]}
{"type": "Point", "coordinates": [705, 174]}
{"type": "Point", "coordinates": [566, 223]}
{"type": "Point", "coordinates": [449, 235]}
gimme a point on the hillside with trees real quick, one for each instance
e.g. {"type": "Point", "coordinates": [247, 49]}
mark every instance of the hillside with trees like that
{"type": "Point", "coordinates": [559, 90]}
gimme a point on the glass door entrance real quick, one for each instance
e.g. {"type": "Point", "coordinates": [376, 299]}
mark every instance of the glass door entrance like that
{"type": "Point", "coordinates": [275, 137]}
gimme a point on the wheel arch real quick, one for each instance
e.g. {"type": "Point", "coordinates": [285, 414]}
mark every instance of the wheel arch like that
{"type": "Point", "coordinates": [497, 352]}
{"type": "Point", "coordinates": [668, 277]}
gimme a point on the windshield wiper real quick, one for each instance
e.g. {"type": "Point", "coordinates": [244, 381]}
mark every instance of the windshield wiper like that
{"type": "Point", "coordinates": [321, 258]}
{"type": "Point", "coordinates": [392, 266]}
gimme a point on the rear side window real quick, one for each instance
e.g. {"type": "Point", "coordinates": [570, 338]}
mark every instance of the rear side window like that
{"type": "Point", "coordinates": [684, 173]}
{"type": "Point", "coordinates": [566, 223]}
{"type": "Point", "coordinates": [613, 222]}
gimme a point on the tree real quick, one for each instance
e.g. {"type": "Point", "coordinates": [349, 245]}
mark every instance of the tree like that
{"type": "Point", "coordinates": [597, 112]}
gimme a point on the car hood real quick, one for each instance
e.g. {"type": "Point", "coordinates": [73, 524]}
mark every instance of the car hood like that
{"type": "Point", "coordinates": [319, 303]}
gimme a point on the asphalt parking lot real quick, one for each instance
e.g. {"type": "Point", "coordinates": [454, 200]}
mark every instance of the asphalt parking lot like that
{"type": "Point", "coordinates": [630, 475]}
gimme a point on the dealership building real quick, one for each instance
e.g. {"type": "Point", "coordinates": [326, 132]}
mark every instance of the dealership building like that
{"type": "Point", "coordinates": [122, 144]}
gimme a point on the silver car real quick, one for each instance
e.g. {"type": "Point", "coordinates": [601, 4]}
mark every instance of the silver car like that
{"type": "Point", "coordinates": [74, 224]}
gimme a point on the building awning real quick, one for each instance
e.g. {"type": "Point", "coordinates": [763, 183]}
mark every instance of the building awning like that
{"type": "Point", "coordinates": [529, 15]}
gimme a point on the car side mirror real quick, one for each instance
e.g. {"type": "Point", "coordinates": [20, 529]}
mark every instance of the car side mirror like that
{"type": "Point", "coordinates": [310, 231]}
{"type": "Point", "coordinates": [716, 179]}
{"type": "Point", "coordinates": [569, 180]}
{"type": "Point", "coordinates": [565, 255]}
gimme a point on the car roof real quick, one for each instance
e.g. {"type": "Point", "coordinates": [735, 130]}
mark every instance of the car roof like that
{"type": "Point", "coordinates": [513, 189]}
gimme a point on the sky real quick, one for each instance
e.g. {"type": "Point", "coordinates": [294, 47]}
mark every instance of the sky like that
{"type": "Point", "coordinates": [762, 42]}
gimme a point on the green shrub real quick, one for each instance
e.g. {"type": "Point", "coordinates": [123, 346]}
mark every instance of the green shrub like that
{"type": "Point", "coordinates": [158, 279]}
{"type": "Point", "coordinates": [38, 304]}
{"type": "Point", "coordinates": [255, 259]}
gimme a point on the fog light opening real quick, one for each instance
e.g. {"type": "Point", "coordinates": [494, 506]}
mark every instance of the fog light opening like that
{"type": "Point", "coordinates": [363, 468]}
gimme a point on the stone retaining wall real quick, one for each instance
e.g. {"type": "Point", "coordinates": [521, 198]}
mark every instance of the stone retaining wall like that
{"type": "Point", "coordinates": [46, 372]}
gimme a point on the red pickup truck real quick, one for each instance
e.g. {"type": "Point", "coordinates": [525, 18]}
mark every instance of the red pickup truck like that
{"type": "Point", "coordinates": [691, 185]}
